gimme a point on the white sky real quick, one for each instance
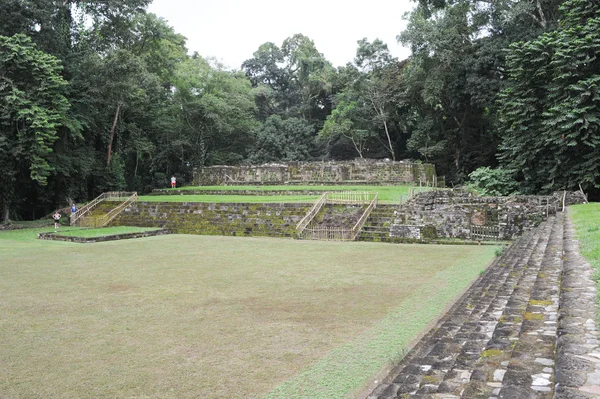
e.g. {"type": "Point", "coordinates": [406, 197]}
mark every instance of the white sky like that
{"type": "Point", "coordinates": [232, 30]}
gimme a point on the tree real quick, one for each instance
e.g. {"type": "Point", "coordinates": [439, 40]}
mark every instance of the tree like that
{"type": "Point", "coordinates": [283, 140]}
{"type": "Point", "coordinates": [291, 81]}
{"type": "Point", "coordinates": [348, 120]}
{"type": "Point", "coordinates": [365, 102]}
{"type": "Point", "coordinates": [32, 108]}
{"type": "Point", "coordinates": [550, 114]}
{"type": "Point", "coordinates": [217, 113]}
{"type": "Point", "coordinates": [456, 72]}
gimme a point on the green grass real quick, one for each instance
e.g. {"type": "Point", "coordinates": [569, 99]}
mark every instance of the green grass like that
{"type": "Point", "coordinates": [387, 194]}
{"type": "Point", "coordinates": [184, 316]}
{"type": "Point", "coordinates": [228, 198]}
{"type": "Point", "coordinates": [105, 231]}
{"type": "Point", "coordinates": [586, 219]}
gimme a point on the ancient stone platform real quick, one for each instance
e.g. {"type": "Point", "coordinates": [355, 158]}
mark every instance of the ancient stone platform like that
{"type": "Point", "coordinates": [525, 329]}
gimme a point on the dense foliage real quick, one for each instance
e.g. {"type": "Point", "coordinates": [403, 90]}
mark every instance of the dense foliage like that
{"type": "Point", "coordinates": [100, 95]}
{"type": "Point", "coordinates": [550, 112]}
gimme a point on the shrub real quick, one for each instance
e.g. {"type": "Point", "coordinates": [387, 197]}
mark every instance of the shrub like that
{"type": "Point", "coordinates": [488, 181]}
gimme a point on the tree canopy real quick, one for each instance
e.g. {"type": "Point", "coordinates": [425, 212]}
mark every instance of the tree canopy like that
{"type": "Point", "coordinates": [101, 95]}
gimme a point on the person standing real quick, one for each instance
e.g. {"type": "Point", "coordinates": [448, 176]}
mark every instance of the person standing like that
{"type": "Point", "coordinates": [173, 182]}
{"type": "Point", "coordinates": [56, 218]}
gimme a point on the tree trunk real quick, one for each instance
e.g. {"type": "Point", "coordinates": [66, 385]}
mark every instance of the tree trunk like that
{"type": "Point", "coordinates": [387, 133]}
{"type": "Point", "coordinates": [112, 134]}
{"type": "Point", "coordinates": [6, 213]}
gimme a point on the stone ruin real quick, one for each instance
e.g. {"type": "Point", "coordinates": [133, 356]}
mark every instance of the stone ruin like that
{"type": "Point", "coordinates": [366, 171]}
{"type": "Point", "coordinates": [460, 214]}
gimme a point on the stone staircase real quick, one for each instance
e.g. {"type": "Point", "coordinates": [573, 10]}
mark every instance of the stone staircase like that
{"type": "Point", "coordinates": [98, 213]}
{"type": "Point", "coordinates": [377, 227]}
{"type": "Point", "coordinates": [499, 339]}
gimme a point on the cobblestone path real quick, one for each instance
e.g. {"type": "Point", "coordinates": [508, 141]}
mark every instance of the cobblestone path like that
{"type": "Point", "coordinates": [525, 329]}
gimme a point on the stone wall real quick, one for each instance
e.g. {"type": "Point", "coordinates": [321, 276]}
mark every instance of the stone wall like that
{"type": "Point", "coordinates": [113, 237]}
{"type": "Point", "coordinates": [272, 220]}
{"type": "Point", "coordinates": [362, 171]}
{"type": "Point", "coordinates": [426, 217]}
{"type": "Point", "coordinates": [454, 213]}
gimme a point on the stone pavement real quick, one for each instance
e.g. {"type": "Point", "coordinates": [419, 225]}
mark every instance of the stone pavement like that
{"type": "Point", "coordinates": [525, 329]}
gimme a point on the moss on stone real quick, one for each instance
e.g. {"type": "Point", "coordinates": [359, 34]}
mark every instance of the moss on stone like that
{"type": "Point", "coordinates": [536, 302]}
{"type": "Point", "coordinates": [491, 353]}
{"type": "Point", "coordinates": [533, 316]}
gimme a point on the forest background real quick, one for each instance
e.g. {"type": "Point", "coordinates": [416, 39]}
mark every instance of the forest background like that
{"type": "Point", "coordinates": [102, 95]}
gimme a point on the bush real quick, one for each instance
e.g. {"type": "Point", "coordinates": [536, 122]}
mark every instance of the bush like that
{"type": "Point", "coordinates": [488, 181]}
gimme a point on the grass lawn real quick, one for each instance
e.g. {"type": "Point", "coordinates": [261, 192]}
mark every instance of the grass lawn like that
{"type": "Point", "coordinates": [105, 231]}
{"type": "Point", "coordinates": [387, 194]}
{"type": "Point", "coordinates": [228, 198]}
{"type": "Point", "coordinates": [184, 316]}
{"type": "Point", "coordinates": [586, 219]}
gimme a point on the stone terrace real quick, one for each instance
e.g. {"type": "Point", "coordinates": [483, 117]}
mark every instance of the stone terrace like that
{"type": "Point", "coordinates": [525, 329]}
{"type": "Point", "coordinates": [271, 220]}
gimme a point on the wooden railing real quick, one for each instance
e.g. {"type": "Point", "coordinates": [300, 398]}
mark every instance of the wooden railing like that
{"type": "Point", "coordinates": [83, 215]}
{"type": "Point", "coordinates": [337, 233]}
{"type": "Point", "coordinates": [328, 234]}
{"type": "Point", "coordinates": [350, 197]}
{"type": "Point", "coordinates": [485, 232]}
{"type": "Point", "coordinates": [86, 209]}
{"type": "Point", "coordinates": [363, 219]}
{"type": "Point", "coordinates": [311, 214]}
{"type": "Point", "coordinates": [106, 219]}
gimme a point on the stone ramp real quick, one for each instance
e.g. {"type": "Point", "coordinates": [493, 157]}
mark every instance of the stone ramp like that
{"type": "Point", "coordinates": [499, 339]}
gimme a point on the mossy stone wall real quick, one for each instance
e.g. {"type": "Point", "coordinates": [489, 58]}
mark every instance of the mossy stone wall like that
{"type": "Point", "coordinates": [363, 171]}
{"type": "Point", "coordinates": [452, 213]}
{"type": "Point", "coordinates": [272, 220]}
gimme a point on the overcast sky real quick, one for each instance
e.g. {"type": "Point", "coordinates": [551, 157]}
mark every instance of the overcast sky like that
{"type": "Point", "coordinates": [232, 30]}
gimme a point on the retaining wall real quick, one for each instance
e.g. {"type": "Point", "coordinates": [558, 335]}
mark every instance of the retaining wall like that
{"type": "Point", "coordinates": [112, 237]}
{"type": "Point", "coordinates": [272, 220]}
{"type": "Point", "coordinates": [453, 213]}
{"type": "Point", "coordinates": [363, 171]}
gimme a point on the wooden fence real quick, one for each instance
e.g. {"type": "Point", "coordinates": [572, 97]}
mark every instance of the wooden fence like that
{"type": "Point", "coordinates": [339, 233]}
{"type": "Point", "coordinates": [350, 197]}
{"type": "Point", "coordinates": [485, 232]}
{"type": "Point", "coordinates": [311, 214]}
{"type": "Point", "coordinates": [83, 216]}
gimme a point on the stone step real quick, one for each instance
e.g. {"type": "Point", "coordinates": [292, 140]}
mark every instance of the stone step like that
{"type": "Point", "coordinates": [473, 345]}
{"type": "Point", "coordinates": [530, 371]}
{"type": "Point", "coordinates": [507, 329]}
{"type": "Point", "coordinates": [440, 361]}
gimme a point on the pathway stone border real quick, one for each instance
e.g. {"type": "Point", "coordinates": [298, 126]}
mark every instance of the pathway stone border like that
{"type": "Point", "coordinates": [114, 237]}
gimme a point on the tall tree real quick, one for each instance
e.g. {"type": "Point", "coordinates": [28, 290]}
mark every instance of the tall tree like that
{"type": "Point", "coordinates": [291, 81]}
{"type": "Point", "coordinates": [283, 140]}
{"type": "Point", "coordinates": [550, 114]}
{"type": "Point", "coordinates": [456, 72]}
{"type": "Point", "coordinates": [32, 107]}
{"type": "Point", "coordinates": [217, 112]}
{"type": "Point", "coordinates": [366, 109]}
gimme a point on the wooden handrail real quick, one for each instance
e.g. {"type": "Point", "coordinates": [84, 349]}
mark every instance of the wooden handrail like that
{"type": "Point", "coordinates": [311, 214]}
{"type": "Point", "coordinates": [328, 233]}
{"type": "Point", "coordinates": [363, 219]}
{"type": "Point", "coordinates": [350, 197]}
{"type": "Point", "coordinates": [106, 219]}
{"type": "Point", "coordinates": [86, 209]}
